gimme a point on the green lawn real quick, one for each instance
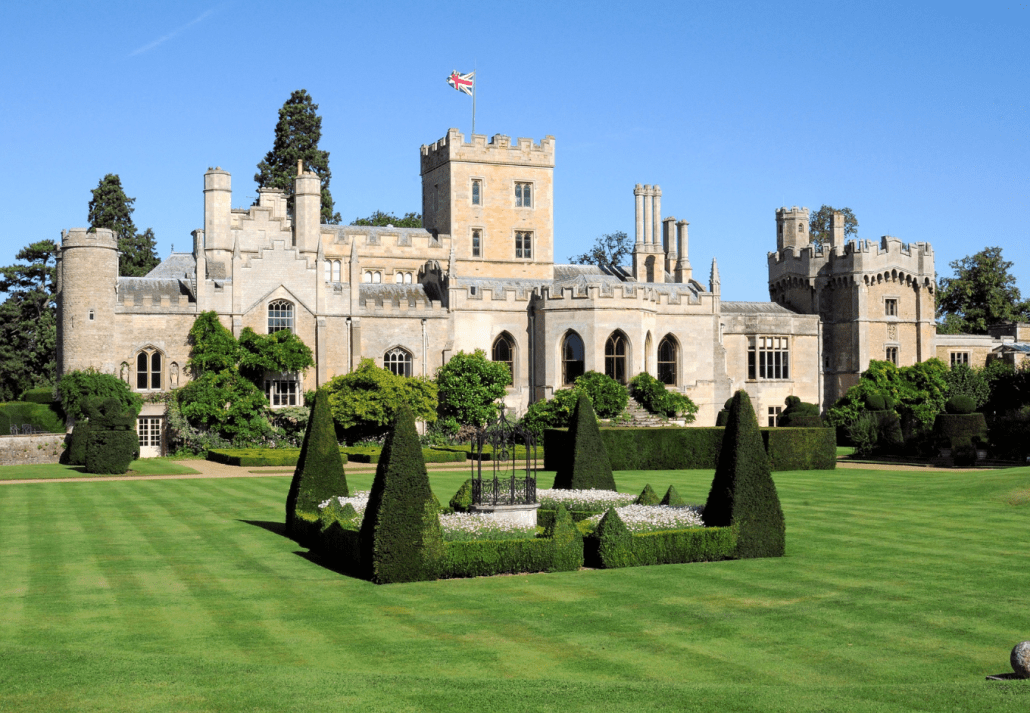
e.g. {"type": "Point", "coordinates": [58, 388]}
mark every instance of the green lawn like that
{"type": "Point", "coordinates": [900, 591]}
{"type": "Point", "coordinates": [146, 466]}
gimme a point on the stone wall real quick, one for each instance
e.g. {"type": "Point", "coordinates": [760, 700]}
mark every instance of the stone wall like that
{"type": "Point", "coordinates": [30, 450]}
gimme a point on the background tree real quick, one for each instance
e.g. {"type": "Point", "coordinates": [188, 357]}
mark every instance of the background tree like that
{"type": "Point", "coordinates": [365, 401]}
{"type": "Point", "coordinates": [296, 138]}
{"type": "Point", "coordinates": [28, 321]}
{"type": "Point", "coordinates": [819, 224]}
{"type": "Point", "coordinates": [607, 251]}
{"type": "Point", "coordinates": [470, 387]}
{"type": "Point", "coordinates": [111, 208]}
{"type": "Point", "coordinates": [981, 294]}
{"type": "Point", "coordinates": [381, 219]}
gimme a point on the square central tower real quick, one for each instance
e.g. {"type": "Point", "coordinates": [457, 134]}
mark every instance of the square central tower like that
{"type": "Point", "coordinates": [496, 201]}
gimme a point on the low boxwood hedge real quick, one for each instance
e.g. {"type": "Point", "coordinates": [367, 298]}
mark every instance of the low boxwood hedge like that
{"type": "Point", "coordinates": [695, 544]}
{"type": "Point", "coordinates": [368, 454]}
{"type": "Point", "coordinates": [688, 448]}
{"type": "Point", "coordinates": [520, 452]}
{"type": "Point", "coordinates": [545, 518]}
{"type": "Point", "coordinates": [256, 457]}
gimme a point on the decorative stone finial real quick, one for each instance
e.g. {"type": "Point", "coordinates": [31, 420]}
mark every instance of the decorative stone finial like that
{"type": "Point", "coordinates": [714, 278]}
{"type": "Point", "coordinates": [300, 167]}
{"type": "Point", "coordinates": [1020, 659]}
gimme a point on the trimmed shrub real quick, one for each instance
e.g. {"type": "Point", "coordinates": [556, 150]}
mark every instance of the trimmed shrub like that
{"type": "Point", "coordinates": [743, 493]}
{"type": "Point", "coordinates": [112, 444]}
{"type": "Point", "coordinates": [608, 396]}
{"type": "Point", "coordinates": [467, 453]}
{"type": "Point", "coordinates": [587, 467]}
{"type": "Point", "coordinates": [76, 453]}
{"type": "Point", "coordinates": [696, 544]}
{"type": "Point", "coordinates": [566, 541]}
{"type": "Point", "coordinates": [368, 454]}
{"type": "Point", "coordinates": [672, 498]}
{"type": "Point", "coordinates": [40, 395]}
{"type": "Point", "coordinates": [399, 539]}
{"type": "Point", "coordinates": [722, 418]}
{"type": "Point", "coordinates": [952, 430]}
{"type": "Point", "coordinates": [1010, 435]}
{"type": "Point", "coordinates": [256, 457]}
{"type": "Point", "coordinates": [799, 414]}
{"type": "Point", "coordinates": [463, 498]}
{"type": "Point", "coordinates": [685, 448]}
{"type": "Point", "coordinates": [653, 396]}
{"type": "Point", "coordinates": [545, 518]}
{"type": "Point", "coordinates": [647, 497]}
{"type": "Point", "coordinates": [612, 543]}
{"type": "Point", "coordinates": [48, 418]}
{"type": "Point", "coordinates": [319, 473]}
{"type": "Point", "coordinates": [960, 405]}
{"type": "Point", "coordinates": [875, 402]}
{"type": "Point", "coordinates": [77, 389]}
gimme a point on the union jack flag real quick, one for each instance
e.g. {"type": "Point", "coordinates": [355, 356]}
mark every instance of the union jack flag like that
{"type": "Point", "coordinates": [462, 82]}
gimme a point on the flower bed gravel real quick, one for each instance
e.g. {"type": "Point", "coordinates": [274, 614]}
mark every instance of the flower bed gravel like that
{"type": "Point", "coordinates": [652, 518]}
{"type": "Point", "coordinates": [583, 499]}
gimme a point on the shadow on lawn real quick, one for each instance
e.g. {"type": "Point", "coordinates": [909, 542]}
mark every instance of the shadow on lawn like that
{"type": "Point", "coordinates": [279, 528]}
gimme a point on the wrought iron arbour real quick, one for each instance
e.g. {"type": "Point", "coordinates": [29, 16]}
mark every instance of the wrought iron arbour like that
{"type": "Point", "coordinates": [507, 486]}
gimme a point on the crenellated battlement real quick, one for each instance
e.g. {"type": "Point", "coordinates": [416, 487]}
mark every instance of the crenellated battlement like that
{"type": "Point", "coordinates": [84, 238]}
{"type": "Point", "coordinates": [855, 258]}
{"type": "Point", "coordinates": [497, 149]}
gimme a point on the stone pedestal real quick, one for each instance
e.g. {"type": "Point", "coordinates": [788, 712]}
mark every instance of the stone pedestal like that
{"type": "Point", "coordinates": [520, 514]}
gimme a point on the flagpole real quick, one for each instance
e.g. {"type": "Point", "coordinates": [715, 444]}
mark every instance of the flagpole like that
{"type": "Point", "coordinates": [475, 81]}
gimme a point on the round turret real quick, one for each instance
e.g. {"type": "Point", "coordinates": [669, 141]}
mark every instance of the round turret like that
{"type": "Point", "coordinates": [86, 299]}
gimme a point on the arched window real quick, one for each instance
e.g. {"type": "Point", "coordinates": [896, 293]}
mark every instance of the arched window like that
{"type": "Point", "coordinates": [336, 270]}
{"type": "Point", "coordinates": [504, 352]}
{"type": "Point", "coordinates": [148, 370]}
{"type": "Point", "coordinates": [572, 358]}
{"type": "Point", "coordinates": [615, 357]}
{"type": "Point", "coordinates": [398, 278]}
{"type": "Point", "coordinates": [407, 278]}
{"type": "Point", "coordinates": [328, 270]}
{"type": "Point", "coordinates": [398, 361]}
{"type": "Point", "coordinates": [367, 277]}
{"type": "Point", "coordinates": [667, 361]}
{"type": "Point", "coordinates": [377, 277]}
{"type": "Point", "coordinates": [648, 345]}
{"type": "Point", "coordinates": [280, 316]}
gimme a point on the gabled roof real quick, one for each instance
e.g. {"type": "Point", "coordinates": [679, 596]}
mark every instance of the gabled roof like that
{"type": "Point", "coordinates": [754, 308]}
{"type": "Point", "coordinates": [176, 265]}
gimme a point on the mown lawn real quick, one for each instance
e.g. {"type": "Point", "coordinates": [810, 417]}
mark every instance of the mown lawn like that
{"type": "Point", "coordinates": [145, 466]}
{"type": "Point", "coordinates": [900, 591]}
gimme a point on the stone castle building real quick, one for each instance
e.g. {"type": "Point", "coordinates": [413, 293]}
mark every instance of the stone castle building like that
{"type": "Point", "coordinates": [481, 275]}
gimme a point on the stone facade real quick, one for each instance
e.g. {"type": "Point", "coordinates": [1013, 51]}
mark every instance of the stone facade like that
{"type": "Point", "coordinates": [481, 275]}
{"type": "Point", "coordinates": [31, 449]}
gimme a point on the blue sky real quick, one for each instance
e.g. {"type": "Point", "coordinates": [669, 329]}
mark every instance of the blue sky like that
{"type": "Point", "coordinates": [914, 115]}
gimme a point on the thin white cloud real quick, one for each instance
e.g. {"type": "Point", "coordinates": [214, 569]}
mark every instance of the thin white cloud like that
{"type": "Point", "coordinates": [170, 35]}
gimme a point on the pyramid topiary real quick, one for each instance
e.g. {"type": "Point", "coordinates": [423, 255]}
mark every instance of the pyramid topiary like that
{"type": "Point", "coordinates": [647, 496]}
{"type": "Point", "coordinates": [400, 539]}
{"type": "Point", "coordinates": [588, 466]}
{"type": "Point", "coordinates": [463, 498]}
{"type": "Point", "coordinates": [743, 493]}
{"type": "Point", "coordinates": [567, 541]}
{"type": "Point", "coordinates": [319, 473]}
{"type": "Point", "coordinates": [614, 542]}
{"type": "Point", "coordinates": [673, 498]}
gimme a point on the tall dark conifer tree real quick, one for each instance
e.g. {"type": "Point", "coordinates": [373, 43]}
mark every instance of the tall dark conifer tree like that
{"type": "Point", "coordinates": [296, 138]}
{"type": "Point", "coordinates": [28, 321]}
{"type": "Point", "coordinates": [111, 208]}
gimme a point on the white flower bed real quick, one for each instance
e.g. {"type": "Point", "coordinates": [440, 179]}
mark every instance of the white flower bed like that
{"type": "Point", "coordinates": [651, 518]}
{"type": "Point", "coordinates": [583, 499]}
{"type": "Point", "coordinates": [467, 526]}
{"type": "Point", "coordinates": [359, 500]}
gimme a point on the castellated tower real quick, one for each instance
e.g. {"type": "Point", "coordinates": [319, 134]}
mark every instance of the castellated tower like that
{"type": "Point", "coordinates": [875, 300]}
{"type": "Point", "coordinates": [86, 297]}
{"type": "Point", "coordinates": [496, 202]}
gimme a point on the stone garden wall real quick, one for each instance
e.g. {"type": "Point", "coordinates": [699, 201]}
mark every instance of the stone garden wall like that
{"type": "Point", "coordinates": [31, 449]}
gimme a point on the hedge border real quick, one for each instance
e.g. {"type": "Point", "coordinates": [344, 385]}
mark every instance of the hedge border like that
{"type": "Point", "coordinates": [696, 544]}
{"type": "Point", "coordinates": [699, 447]}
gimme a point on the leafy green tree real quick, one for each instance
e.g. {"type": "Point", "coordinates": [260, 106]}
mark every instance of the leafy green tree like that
{"type": "Point", "coordinates": [963, 381]}
{"type": "Point", "coordinates": [743, 493]}
{"type": "Point", "coordinates": [381, 219]}
{"type": "Point", "coordinates": [366, 401]}
{"type": "Point", "coordinates": [609, 250]}
{"type": "Point", "coordinates": [110, 208]}
{"type": "Point", "coordinates": [297, 134]}
{"type": "Point", "coordinates": [28, 321]}
{"type": "Point", "coordinates": [980, 295]}
{"type": "Point", "coordinates": [225, 394]}
{"type": "Point", "coordinates": [917, 392]}
{"type": "Point", "coordinates": [607, 396]}
{"type": "Point", "coordinates": [78, 389]}
{"type": "Point", "coordinates": [819, 224]}
{"type": "Point", "coordinates": [470, 386]}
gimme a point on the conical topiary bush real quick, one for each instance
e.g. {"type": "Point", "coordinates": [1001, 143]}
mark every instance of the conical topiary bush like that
{"type": "Point", "coordinates": [400, 539]}
{"type": "Point", "coordinates": [319, 474]}
{"type": "Point", "coordinates": [587, 467]}
{"type": "Point", "coordinates": [743, 493]}
{"type": "Point", "coordinates": [647, 496]}
{"type": "Point", "coordinates": [673, 498]}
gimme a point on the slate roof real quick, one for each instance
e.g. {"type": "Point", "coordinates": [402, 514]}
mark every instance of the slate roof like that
{"type": "Point", "coordinates": [177, 265]}
{"type": "Point", "coordinates": [754, 308]}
